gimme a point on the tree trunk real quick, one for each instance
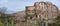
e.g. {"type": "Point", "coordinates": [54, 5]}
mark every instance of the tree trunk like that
{"type": "Point", "coordinates": [42, 24]}
{"type": "Point", "coordinates": [12, 23]}
{"type": "Point", "coordinates": [46, 24]}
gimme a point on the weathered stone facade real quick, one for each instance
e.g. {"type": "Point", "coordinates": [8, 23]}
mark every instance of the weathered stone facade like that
{"type": "Point", "coordinates": [43, 10]}
{"type": "Point", "coordinates": [38, 12]}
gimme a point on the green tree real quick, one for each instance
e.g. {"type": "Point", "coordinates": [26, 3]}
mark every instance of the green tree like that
{"type": "Point", "coordinates": [58, 20]}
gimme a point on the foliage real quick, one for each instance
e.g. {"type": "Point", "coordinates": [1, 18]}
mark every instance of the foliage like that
{"type": "Point", "coordinates": [30, 14]}
{"type": "Point", "coordinates": [1, 24]}
{"type": "Point", "coordinates": [58, 20]}
{"type": "Point", "coordinates": [7, 19]}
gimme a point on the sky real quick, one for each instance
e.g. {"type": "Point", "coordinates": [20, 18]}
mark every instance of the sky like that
{"type": "Point", "coordinates": [14, 6]}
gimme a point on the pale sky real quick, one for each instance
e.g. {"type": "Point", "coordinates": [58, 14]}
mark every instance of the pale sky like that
{"type": "Point", "coordinates": [19, 5]}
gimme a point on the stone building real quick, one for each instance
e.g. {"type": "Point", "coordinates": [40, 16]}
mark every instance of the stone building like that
{"type": "Point", "coordinates": [43, 10]}
{"type": "Point", "coordinates": [30, 11]}
{"type": "Point", "coordinates": [20, 16]}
